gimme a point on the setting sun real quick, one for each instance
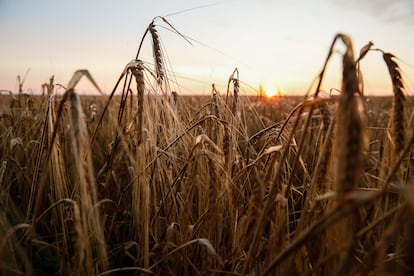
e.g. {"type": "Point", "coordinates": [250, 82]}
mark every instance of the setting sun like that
{"type": "Point", "coordinates": [270, 92]}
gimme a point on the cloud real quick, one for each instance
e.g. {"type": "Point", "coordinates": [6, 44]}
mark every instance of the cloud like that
{"type": "Point", "coordinates": [388, 11]}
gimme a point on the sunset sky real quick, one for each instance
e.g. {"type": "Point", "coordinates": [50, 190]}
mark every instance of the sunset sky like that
{"type": "Point", "coordinates": [279, 44]}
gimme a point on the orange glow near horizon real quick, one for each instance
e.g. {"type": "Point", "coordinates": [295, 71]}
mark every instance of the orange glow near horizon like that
{"type": "Point", "coordinates": [271, 92]}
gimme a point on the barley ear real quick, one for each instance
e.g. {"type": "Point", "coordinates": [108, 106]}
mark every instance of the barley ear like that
{"type": "Point", "coordinates": [398, 130]}
{"type": "Point", "coordinates": [138, 73]}
{"type": "Point", "coordinates": [156, 49]}
{"type": "Point", "coordinates": [351, 133]}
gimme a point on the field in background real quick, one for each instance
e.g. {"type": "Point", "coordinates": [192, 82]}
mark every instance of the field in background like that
{"type": "Point", "coordinates": [193, 213]}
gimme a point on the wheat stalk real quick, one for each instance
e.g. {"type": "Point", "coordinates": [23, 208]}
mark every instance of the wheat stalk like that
{"type": "Point", "coordinates": [141, 189]}
{"type": "Point", "coordinates": [350, 145]}
{"type": "Point", "coordinates": [87, 184]}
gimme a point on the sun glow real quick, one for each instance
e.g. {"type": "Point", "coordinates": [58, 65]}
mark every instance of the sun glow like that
{"type": "Point", "coordinates": [270, 92]}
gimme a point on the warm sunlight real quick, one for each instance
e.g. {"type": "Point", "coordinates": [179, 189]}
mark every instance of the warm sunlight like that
{"type": "Point", "coordinates": [270, 92]}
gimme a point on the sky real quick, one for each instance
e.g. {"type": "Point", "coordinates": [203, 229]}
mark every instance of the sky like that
{"type": "Point", "coordinates": [278, 44]}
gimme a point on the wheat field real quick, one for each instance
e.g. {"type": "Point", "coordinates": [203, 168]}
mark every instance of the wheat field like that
{"type": "Point", "coordinates": [147, 181]}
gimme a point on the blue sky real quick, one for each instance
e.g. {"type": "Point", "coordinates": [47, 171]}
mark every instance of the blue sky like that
{"type": "Point", "coordinates": [280, 44]}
